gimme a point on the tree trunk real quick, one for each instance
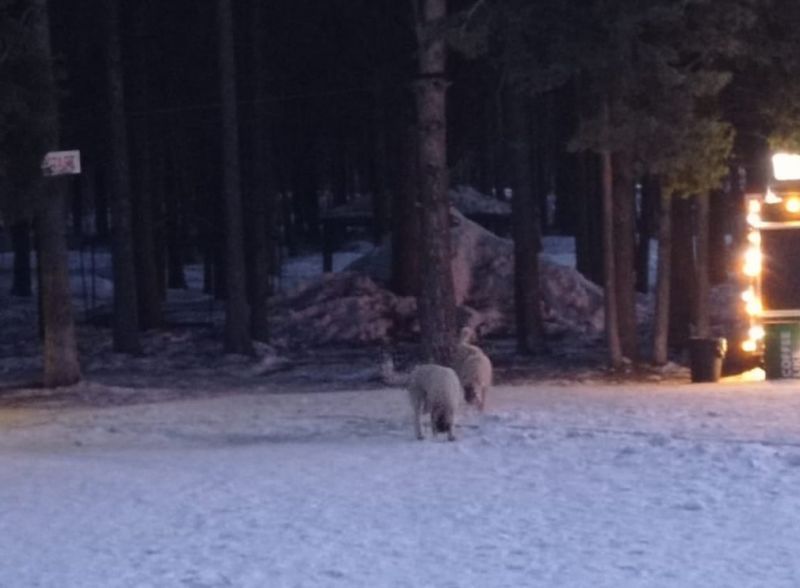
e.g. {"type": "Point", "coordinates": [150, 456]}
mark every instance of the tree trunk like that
{"type": "Point", "coordinates": [339, 177]}
{"type": "Point", "coordinates": [566, 184]}
{"type": "Point", "coordinates": [649, 200]}
{"type": "Point", "coordinates": [304, 209]}
{"type": "Point", "coordinates": [159, 189]}
{"type": "Point", "coordinates": [61, 367]}
{"type": "Point", "coordinates": [126, 308]}
{"type": "Point", "coordinates": [237, 331]}
{"type": "Point", "coordinates": [661, 320]}
{"type": "Point", "coordinates": [589, 252]}
{"type": "Point", "coordinates": [261, 192]}
{"type": "Point", "coordinates": [543, 142]}
{"type": "Point", "coordinates": [207, 253]}
{"type": "Point", "coordinates": [525, 226]}
{"type": "Point", "coordinates": [174, 189]}
{"type": "Point", "coordinates": [21, 244]}
{"type": "Point", "coordinates": [566, 163]}
{"type": "Point", "coordinates": [702, 286]}
{"type": "Point", "coordinates": [624, 256]}
{"type": "Point", "coordinates": [379, 168]}
{"type": "Point", "coordinates": [681, 281]}
{"type": "Point", "coordinates": [219, 271]}
{"type": "Point", "coordinates": [717, 228]}
{"type": "Point", "coordinates": [148, 284]}
{"type": "Point", "coordinates": [497, 172]}
{"type": "Point", "coordinates": [406, 253]}
{"type": "Point", "coordinates": [610, 295]}
{"type": "Point", "coordinates": [101, 204]}
{"type": "Point", "coordinates": [437, 303]}
{"type": "Point", "coordinates": [76, 208]}
{"type": "Point", "coordinates": [486, 157]}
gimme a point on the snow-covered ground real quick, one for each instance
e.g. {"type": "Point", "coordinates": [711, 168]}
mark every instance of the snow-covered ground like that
{"type": "Point", "coordinates": [557, 486]}
{"type": "Point", "coordinates": [187, 468]}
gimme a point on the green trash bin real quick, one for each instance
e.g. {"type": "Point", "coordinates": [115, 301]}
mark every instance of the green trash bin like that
{"type": "Point", "coordinates": [705, 358]}
{"type": "Point", "coordinates": [782, 351]}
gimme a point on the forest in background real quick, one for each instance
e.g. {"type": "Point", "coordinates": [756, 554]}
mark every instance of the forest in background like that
{"type": "Point", "coordinates": [224, 131]}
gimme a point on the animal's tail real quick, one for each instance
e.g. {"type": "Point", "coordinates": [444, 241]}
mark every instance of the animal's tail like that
{"type": "Point", "coordinates": [440, 422]}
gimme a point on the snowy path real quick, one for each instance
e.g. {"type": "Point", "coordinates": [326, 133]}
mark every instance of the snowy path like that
{"type": "Point", "coordinates": [632, 486]}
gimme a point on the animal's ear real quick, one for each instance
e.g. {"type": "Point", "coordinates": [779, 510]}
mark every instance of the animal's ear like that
{"type": "Point", "coordinates": [466, 335]}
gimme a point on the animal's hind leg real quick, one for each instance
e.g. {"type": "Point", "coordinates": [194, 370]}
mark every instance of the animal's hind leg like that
{"type": "Point", "coordinates": [418, 422]}
{"type": "Point", "coordinates": [450, 425]}
{"type": "Point", "coordinates": [470, 394]}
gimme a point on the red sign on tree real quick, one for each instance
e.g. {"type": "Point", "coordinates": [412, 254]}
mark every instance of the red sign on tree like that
{"type": "Point", "coordinates": [59, 163]}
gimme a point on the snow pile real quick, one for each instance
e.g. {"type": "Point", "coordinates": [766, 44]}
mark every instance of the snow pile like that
{"type": "Point", "coordinates": [469, 201]}
{"type": "Point", "coordinates": [355, 307]}
{"type": "Point", "coordinates": [344, 307]}
{"type": "Point", "coordinates": [483, 274]}
{"type": "Point", "coordinates": [570, 300]}
{"type": "Point", "coordinates": [466, 199]}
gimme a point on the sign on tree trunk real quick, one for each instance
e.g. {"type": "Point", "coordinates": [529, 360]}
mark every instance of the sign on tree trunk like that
{"type": "Point", "coordinates": [60, 163]}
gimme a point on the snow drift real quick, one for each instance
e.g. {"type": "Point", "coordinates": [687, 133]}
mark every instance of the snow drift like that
{"type": "Point", "coordinates": [354, 306]}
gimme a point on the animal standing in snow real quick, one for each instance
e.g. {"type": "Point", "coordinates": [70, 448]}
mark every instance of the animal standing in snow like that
{"type": "Point", "coordinates": [433, 389]}
{"type": "Point", "coordinates": [474, 369]}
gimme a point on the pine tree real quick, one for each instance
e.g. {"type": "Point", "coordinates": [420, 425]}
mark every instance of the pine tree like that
{"type": "Point", "coordinates": [525, 225]}
{"type": "Point", "coordinates": [661, 72]}
{"type": "Point", "coordinates": [126, 307]}
{"type": "Point", "coordinates": [516, 36]}
{"type": "Point", "coordinates": [21, 244]}
{"type": "Point", "coordinates": [263, 199]}
{"type": "Point", "coordinates": [406, 218]}
{"type": "Point", "coordinates": [61, 366]}
{"type": "Point", "coordinates": [437, 302]}
{"type": "Point", "coordinates": [237, 326]}
{"type": "Point", "coordinates": [148, 284]}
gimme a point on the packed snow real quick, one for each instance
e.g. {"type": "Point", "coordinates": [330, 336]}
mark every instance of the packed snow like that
{"type": "Point", "coordinates": [605, 486]}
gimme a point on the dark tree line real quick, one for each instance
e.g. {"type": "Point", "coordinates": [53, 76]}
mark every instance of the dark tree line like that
{"type": "Point", "coordinates": [221, 131]}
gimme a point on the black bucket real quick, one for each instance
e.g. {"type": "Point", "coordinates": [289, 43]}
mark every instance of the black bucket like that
{"type": "Point", "coordinates": [705, 358]}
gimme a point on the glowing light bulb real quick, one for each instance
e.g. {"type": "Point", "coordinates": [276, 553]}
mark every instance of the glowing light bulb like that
{"type": "Point", "coordinates": [756, 332]}
{"type": "Point", "coordinates": [754, 219]}
{"type": "Point", "coordinates": [749, 346]}
{"type": "Point", "coordinates": [753, 206]}
{"type": "Point", "coordinates": [793, 205]}
{"type": "Point", "coordinates": [754, 238]}
{"type": "Point", "coordinates": [752, 262]}
{"type": "Point", "coordinates": [786, 166]}
{"type": "Point", "coordinates": [754, 307]}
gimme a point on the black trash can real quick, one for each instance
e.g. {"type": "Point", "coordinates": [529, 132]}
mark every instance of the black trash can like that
{"type": "Point", "coordinates": [705, 358]}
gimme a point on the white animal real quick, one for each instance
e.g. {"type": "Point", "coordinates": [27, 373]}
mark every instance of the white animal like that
{"type": "Point", "coordinates": [433, 389]}
{"type": "Point", "coordinates": [474, 369]}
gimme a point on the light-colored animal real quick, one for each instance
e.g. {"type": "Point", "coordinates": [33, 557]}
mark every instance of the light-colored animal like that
{"type": "Point", "coordinates": [474, 369]}
{"type": "Point", "coordinates": [433, 389]}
